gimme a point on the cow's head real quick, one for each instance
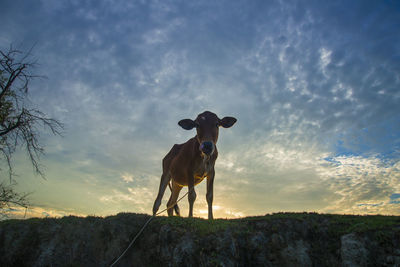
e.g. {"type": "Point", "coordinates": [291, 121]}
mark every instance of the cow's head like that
{"type": "Point", "coordinates": [207, 125]}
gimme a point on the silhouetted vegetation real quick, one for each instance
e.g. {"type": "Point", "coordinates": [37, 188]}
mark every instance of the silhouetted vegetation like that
{"type": "Point", "coordinates": [20, 123]}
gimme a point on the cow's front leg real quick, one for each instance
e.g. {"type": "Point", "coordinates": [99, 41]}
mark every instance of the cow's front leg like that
{"type": "Point", "coordinates": [192, 195]}
{"type": "Point", "coordinates": [210, 191]}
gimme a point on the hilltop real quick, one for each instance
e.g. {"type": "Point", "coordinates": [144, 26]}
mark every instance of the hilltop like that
{"type": "Point", "coordinates": [282, 239]}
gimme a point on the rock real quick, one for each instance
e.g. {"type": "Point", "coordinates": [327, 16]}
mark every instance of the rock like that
{"type": "Point", "coordinates": [183, 252]}
{"type": "Point", "coordinates": [353, 251]}
{"type": "Point", "coordinates": [296, 254]}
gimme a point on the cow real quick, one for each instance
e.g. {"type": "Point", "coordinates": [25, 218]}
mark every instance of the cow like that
{"type": "Point", "coordinates": [189, 163]}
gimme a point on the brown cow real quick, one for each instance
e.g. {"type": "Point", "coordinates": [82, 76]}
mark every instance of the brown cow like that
{"type": "Point", "coordinates": [189, 163]}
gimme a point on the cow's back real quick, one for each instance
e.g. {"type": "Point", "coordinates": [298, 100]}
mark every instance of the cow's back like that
{"type": "Point", "coordinates": [170, 156]}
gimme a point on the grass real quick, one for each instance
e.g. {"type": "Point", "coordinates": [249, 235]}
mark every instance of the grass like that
{"type": "Point", "coordinates": [198, 225]}
{"type": "Point", "coordinates": [344, 224]}
{"type": "Point", "coordinates": [338, 224]}
{"type": "Point", "coordinates": [280, 215]}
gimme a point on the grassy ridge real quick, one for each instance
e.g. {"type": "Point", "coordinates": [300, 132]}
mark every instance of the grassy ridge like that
{"type": "Point", "coordinates": [338, 224]}
{"type": "Point", "coordinates": [280, 239]}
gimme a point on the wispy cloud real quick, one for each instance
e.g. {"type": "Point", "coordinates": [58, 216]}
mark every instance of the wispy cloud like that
{"type": "Point", "coordinates": [40, 212]}
{"type": "Point", "coordinates": [314, 87]}
{"type": "Point", "coordinates": [127, 178]}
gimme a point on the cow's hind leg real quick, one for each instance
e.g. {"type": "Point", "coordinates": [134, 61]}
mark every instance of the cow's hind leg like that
{"type": "Point", "coordinates": [172, 205]}
{"type": "Point", "coordinates": [177, 210]}
{"type": "Point", "coordinates": [176, 207]}
{"type": "Point", "coordinates": [165, 178]}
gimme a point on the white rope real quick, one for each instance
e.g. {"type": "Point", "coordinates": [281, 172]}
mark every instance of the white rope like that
{"type": "Point", "coordinates": [144, 226]}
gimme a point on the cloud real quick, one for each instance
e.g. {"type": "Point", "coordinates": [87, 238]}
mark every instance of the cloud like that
{"type": "Point", "coordinates": [40, 212]}
{"type": "Point", "coordinates": [161, 35]}
{"type": "Point", "coordinates": [289, 77]}
{"type": "Point", "coordinates": [127, 178]}
{"type": "Point", "coordinates": [138, 198]}
{"type": "Point", "coordinates": [363, 185]}
{"type": "Point", "coordinates": [314, 87]}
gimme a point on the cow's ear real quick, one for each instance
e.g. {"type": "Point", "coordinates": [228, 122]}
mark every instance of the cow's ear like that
{"type": "Point", "coordinates": [227, 122]}
{"type": "Point", "coordinates": [187, 124]}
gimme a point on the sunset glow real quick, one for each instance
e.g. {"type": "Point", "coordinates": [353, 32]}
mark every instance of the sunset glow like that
{"type": "Point", "coordinates": [314, 85]}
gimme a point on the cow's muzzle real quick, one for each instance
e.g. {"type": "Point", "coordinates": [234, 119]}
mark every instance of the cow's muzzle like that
{"type": "Point", "coordinates": [207, 147]}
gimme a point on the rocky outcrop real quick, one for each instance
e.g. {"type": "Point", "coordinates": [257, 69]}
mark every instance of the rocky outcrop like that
{"type": "Point", "coordinates": [285, 239]}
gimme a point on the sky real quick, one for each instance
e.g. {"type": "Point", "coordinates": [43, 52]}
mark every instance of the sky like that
{"type": "Point", "coordinates": [314, 85]}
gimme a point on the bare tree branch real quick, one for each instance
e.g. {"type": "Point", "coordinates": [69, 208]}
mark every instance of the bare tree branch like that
{"type": "Point", "coordinates": [13, 75]}
{"type": "Point", "coordinates": [19, 122]}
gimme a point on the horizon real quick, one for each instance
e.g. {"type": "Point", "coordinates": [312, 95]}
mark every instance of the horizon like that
{"type": "Point", "coordinates": [315, 87]}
